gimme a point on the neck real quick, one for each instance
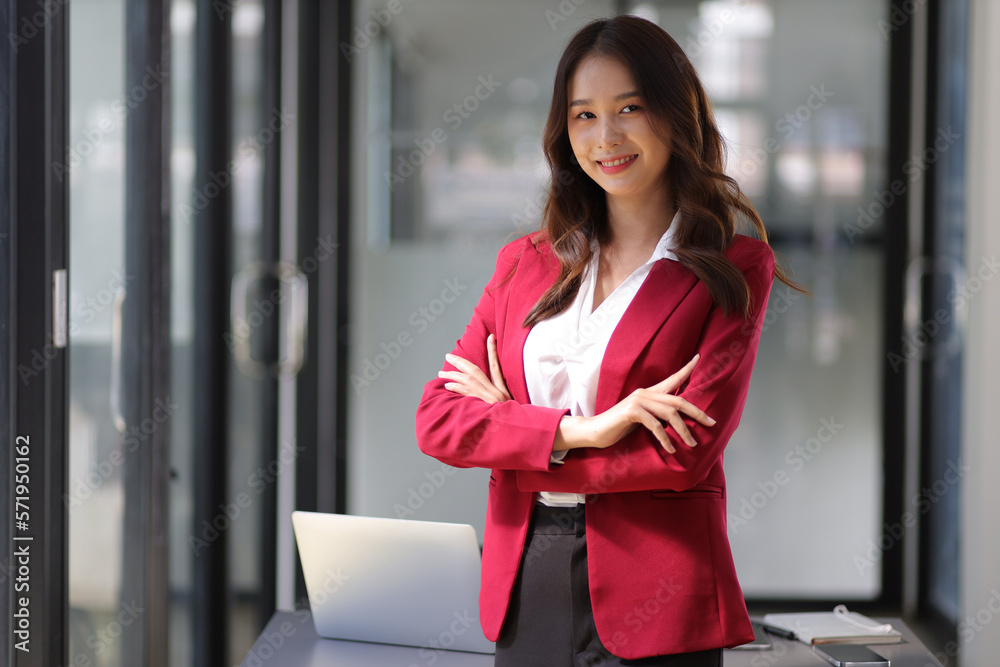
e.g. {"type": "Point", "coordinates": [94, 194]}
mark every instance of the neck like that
{"type": "Point", "coordinates": [638, 222]}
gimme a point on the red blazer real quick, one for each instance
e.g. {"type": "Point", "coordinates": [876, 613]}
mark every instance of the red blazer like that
{"type": "Point", "coordinates": [662, 578]}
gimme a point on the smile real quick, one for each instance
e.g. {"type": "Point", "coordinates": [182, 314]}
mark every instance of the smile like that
{"type": "Point", "coordinates": [616, 165]}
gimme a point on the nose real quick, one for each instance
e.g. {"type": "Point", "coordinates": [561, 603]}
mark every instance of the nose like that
{"type": "Point", "coordinates": [611, 134]}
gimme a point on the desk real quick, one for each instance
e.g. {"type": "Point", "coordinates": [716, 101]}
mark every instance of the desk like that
{"type": "Point", "coordinates": [290, 640]}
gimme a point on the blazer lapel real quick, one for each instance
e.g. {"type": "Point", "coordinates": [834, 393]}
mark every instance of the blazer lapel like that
{"type": "Point", "coordinates": [665, 287]}
{"type": "Point", "coordinates": [535, 274]}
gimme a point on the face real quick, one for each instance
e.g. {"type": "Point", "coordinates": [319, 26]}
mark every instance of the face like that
{"type": "Point", "coordinates": [609, 130]}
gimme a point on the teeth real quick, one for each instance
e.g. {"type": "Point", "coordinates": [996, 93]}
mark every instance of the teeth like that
{"type": "Point", "coordinates": [619, 161]}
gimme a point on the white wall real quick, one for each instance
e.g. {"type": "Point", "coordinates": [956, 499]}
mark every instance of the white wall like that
{"type": "Point", "coordinates": [979, 632]}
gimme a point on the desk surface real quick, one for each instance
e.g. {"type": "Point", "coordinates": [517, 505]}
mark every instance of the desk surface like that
{"type": "Point", "coordinates": [290, 640]}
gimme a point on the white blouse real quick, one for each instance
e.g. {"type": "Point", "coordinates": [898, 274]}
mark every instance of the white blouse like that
{"type": "Point", "coordinates": [563, 354]}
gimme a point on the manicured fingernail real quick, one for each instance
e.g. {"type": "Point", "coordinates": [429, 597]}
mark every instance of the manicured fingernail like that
{"type": "Point", "coordinates": [710, 420]}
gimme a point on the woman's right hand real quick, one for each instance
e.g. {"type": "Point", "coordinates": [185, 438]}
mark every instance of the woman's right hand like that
{"type": "Point", "coordinates": [649, 407]}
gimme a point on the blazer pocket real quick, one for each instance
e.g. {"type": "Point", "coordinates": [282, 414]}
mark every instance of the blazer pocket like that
{"type": "Point", "coordinates": [701, 491]}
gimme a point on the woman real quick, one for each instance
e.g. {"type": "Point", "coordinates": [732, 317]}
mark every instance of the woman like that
{"type": "Point", "coordinates": [605, 368]}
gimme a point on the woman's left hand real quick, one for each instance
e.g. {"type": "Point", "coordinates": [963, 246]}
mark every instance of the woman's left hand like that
{"type": "Point", "coordinates": [469, 380]}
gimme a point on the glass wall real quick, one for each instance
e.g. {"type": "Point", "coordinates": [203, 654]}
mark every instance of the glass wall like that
{"type": "Point", "coordinates": [450, 103]}
{"type": "Point", "coordinates": [243, 586]}
{"type": "Point", "coordinates": [95, 167]}
{"type": "Point", "coordinates": [182, 370]}
{"type": "Point", "coordinates": [808, 144]}
{"type": "Point", "coordinates": [246, 442]}
{"type": "Point", "coordinates": [450, 107]}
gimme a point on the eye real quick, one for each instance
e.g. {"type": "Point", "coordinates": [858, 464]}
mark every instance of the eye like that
{"type": "Point", "coordinates": [631, 108]}
{"type": "Point", "coordinates": [585, 115]}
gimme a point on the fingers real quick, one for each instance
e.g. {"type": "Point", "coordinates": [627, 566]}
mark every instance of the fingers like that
{"type": "Point", "coordinates": [469, 369]}
{"type": "Point", "coordinates": [677, 379]}
{"type": "Point", "coordinates": [682, 430]}
{"type": "Point", "coordinates": [464, 365]}
{"type": "Point", "coordinates": [457, 387]}
{"type": "Point", "coordinates": [652, 410]}
{"type": "Point", "coordinates": [496, 375]}
{"type": "Point", "coordinates": [469, 380]}
{"type": "Point", "coordinates": [654, 425]}
{"type": "Point", "coordinates": [665, 404]}
{"type": "Point", "coordinates": [465, 384]}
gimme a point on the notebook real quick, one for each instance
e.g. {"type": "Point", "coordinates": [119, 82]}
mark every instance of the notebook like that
{"type": "Point", "coordinates": [392, 581]}
{"type": "Point", "coordinates": [839, 626]}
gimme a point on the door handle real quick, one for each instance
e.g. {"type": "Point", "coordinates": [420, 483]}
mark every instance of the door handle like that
{"type": "Point", "coordinates": [292, 325]}
{"type": "Point", "coordinates": [914, 321]}
{"type": "Point", "coordinates": [116, 361]}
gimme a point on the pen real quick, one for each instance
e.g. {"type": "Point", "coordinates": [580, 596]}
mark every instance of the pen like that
{"type": "Point", "coordinates": [781, 632]}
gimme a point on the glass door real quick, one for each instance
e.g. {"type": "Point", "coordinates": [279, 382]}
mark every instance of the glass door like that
{"type": "Point", "coordinates": [98, 287]}
{"type": "Point", "coordinates": [120, 410]}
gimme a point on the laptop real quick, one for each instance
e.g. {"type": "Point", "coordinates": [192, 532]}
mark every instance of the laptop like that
{"type": "Point", "coordinates": [392, 581]}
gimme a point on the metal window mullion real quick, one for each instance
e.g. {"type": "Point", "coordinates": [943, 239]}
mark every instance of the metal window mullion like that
{"type": "Point", "coordinates": [270, 255]}
{"type": "Point", "coordinates": [33, 201]}
{"type": "Point", "coordinates": [212, 277]}
{"type": "Point", "coordinates": [146, 334]}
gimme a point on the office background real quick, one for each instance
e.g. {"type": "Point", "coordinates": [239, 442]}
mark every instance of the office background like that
{"type": "Point", "coordinates": [276, 217]}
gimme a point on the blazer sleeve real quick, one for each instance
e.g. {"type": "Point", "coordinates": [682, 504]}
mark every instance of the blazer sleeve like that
{"type": "Point", "coordinates": [465, 431]}
{"type": "Point", "coordinates": [718, 385]}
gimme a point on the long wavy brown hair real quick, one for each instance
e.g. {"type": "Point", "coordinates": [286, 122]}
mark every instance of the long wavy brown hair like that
{"type": "Point", "coordinates": [709, 201]}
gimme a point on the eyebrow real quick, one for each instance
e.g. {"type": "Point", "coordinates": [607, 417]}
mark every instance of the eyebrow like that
{"type": "Point", "coordinates": [618, 98]}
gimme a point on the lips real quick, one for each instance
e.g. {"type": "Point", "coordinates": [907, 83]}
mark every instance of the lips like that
{"type": "Point", "coordinates": [616, 164]}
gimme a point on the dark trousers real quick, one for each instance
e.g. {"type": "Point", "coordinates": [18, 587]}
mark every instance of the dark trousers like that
{"type": "Point", "coordinates": [550, 622]}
